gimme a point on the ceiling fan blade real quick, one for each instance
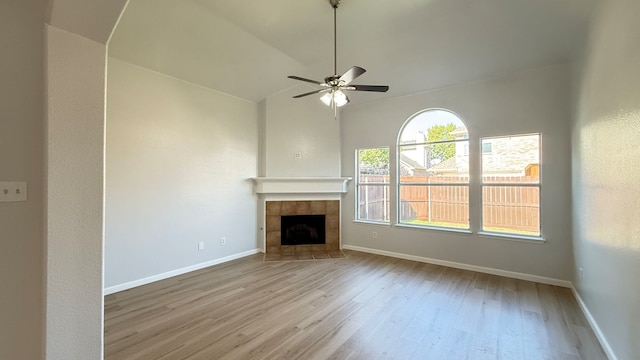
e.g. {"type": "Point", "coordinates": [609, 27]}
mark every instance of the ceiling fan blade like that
{"type": "Point", "coordinates": [303, 79]}
{"type": "Point", "coordinates": [376, 88]}
{"type": "Point", "coordinates": [310, 93]}
{"type": "Point", "coordinates": [351, 75]}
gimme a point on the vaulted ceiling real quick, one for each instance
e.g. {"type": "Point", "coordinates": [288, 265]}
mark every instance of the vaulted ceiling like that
{"type": "Point", "coordinates": [246, 48]}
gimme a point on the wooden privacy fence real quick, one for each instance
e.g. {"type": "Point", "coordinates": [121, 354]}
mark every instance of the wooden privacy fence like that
{"type": "Point", "coordinates": [510, 207]}
{"type": "Point", "coordinates": [374, 200]}
{"type": "Point", "coordinates": [437, 203]}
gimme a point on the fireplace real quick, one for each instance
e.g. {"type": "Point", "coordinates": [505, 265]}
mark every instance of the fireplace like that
{"type": "Point", "coordinates": [302, 229]}
{"type": "Point", "coordinates": [314, 225]}
{"type": "Point", "coordinates": [287, 196]}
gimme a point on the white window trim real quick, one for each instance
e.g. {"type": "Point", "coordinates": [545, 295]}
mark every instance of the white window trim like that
{"type": "Point", "coordinates": [508, 235]}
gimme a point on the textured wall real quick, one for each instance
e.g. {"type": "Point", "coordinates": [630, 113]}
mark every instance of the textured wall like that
{"type": "Point", "coordinates": [606, 175]}
{"type": "Point", "coordinates": [302, 125]}
{"type": "Point", "coordinates": [534, 101]}
{"type": "Point", "coordinates": [21, 159]}
{"type": "Point", "coordinates": [75, 133]}
{"type": "Point", "coordinates": [179, 157]}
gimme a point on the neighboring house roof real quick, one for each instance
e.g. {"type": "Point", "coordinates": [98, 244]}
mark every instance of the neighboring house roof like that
{"type": "Point", "coordinates": [459, 131]}
{"type": "Point", "coordinates": [446, 166]}
{"type": "Point", "coordinates": [409, 162]}
{"type": "Point", "coordinates": [410, 166]}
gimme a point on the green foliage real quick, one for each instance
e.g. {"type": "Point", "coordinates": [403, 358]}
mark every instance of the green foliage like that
{"type": "Point", "coordinates": [442, 133]}
{"type": "Point", "coordinates": [374, 157]}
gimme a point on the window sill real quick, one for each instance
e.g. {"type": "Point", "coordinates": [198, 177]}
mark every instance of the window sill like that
{"type": "Point", "coordinates": [454, 230]}
{"type": "Point", "coordinates": [513, 237]}
{"type": "Point", "coordinates": [371, 222]}
{"type": "Point", "coordinates": [485, 234]}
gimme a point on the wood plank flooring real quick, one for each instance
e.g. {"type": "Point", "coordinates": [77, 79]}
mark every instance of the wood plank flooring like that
{"type": "Point", "coordinates": [363, 307]}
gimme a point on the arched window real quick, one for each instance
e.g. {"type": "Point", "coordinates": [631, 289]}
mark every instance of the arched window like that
{"type": "Point", "coordinates": [433, 171]}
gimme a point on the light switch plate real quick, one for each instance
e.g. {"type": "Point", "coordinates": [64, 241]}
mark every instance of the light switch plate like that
{"type": "Point", "coordinates": [12, 191]}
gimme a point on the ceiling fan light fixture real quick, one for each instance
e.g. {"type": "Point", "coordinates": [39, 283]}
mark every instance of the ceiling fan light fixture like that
{"type": "Point", "coordinates": [340, 98]}
{"type": "Point", "coordinates": [327, 98]}
{"type": "Point", "coordinates": [335, 98]}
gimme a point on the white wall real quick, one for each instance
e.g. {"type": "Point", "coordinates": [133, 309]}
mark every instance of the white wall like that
{"type": "Point", "coordinates": [75, 133]}
{"type": "Point", "coordinates": [303, 125]}
{"type": "Point", "coordinates": [21, 159]}
{"type": "Point", "coordinates": [529, 102]}
{"type": "Point", "coordinates": [606, 174]}
{"type": "Point", "coordinates": [178, 161]}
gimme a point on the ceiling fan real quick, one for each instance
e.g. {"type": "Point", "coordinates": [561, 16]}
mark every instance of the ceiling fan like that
{"type": "Point", "coordinates": [335, 85]}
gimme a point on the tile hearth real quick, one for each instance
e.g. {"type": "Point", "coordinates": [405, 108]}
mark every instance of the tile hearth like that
{"type": "Point", "coordinates": [305, 255]}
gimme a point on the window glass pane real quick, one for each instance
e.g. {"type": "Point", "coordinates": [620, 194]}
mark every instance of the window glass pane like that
{"type": "Point", "coordinates": [435, 163]}
{"type": "Point", "coordinates": [440, 206]}
{"type": "Point", "coordinates": [511, 209]}
{"type": "Point", "coordinates": [373, 202]}
{"type": "Point", "coordinates": [432, 126]}
{"type": "Point", "coordinates": [373, 184]}
{"type": "Point", "coordinates": [373, 165]}
{"type": "Point", "coordinates": [511, 159]}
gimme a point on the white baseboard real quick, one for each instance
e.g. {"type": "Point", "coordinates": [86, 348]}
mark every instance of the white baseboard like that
{"type": "Point", "coordinates": [169, 274]}
{"type": "Point", "coordinates": [594, 325]}
{"type": "Point", "coordinates": [486, 270]}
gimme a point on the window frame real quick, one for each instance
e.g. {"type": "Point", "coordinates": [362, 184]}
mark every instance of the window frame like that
{"type": "Point", "coordinates": [483, 184]}
{"type": "Point", "coordinates": [399, 183]}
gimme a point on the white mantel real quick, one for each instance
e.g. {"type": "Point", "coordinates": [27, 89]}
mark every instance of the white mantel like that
{"type": "Point", "coordinates": [301, 185]}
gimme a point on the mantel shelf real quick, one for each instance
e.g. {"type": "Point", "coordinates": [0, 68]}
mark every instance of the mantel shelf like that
{"type": "Point", "coordinates": [301, 185]}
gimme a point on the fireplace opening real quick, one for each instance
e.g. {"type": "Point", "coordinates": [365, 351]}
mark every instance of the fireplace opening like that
{"type": "Point", "coordinates": [302, 229]}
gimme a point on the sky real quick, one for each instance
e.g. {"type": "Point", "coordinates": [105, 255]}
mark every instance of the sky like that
{"type": "Point", "coordinates": [427, 119]}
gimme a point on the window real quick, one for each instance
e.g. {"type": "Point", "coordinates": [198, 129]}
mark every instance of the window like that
{"type": "Point", "coordinates": [372, 184]}
{"type": "Point", "coordinates": [511, 185]}
{"type": "Point", "coordinates": [433, 171]}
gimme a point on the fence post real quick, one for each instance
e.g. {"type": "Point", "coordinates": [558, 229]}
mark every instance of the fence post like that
{"type": "Point", "coordinates": [429, 196]}
{"type": "Point", "coordinates": [384, 202]}
{"type": "Point", "coordinates": [366, 199]}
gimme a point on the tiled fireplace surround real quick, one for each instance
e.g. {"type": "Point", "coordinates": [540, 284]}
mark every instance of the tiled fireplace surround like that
{"type": "Point", "coordinates": [276, 209]}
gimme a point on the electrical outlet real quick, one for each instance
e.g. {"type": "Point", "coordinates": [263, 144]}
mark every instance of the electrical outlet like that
{"type": "Point", "coordinates": [13, 191]}
{"type": "Point", "coordinates": [223, 241]}
{"type": "Point", "coordinates": [298, 155]}
{"type": "Point", "coordinates": [201, 245]}
{"type": "Point", "coordinates": [374, 235]}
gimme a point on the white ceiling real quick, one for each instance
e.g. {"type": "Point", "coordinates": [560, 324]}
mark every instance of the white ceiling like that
{"type": "Point", "coordinates": [247, 48]}
{"type": "Point", "coordinates": [93, 19]}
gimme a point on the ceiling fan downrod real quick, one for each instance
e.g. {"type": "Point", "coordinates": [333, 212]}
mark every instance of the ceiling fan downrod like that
{"type": "Point", "coordinates": [334, 5]}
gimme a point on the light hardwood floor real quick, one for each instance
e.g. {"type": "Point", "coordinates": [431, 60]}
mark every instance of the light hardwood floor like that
{"type": "Point", "coordinates": [363, 307]}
